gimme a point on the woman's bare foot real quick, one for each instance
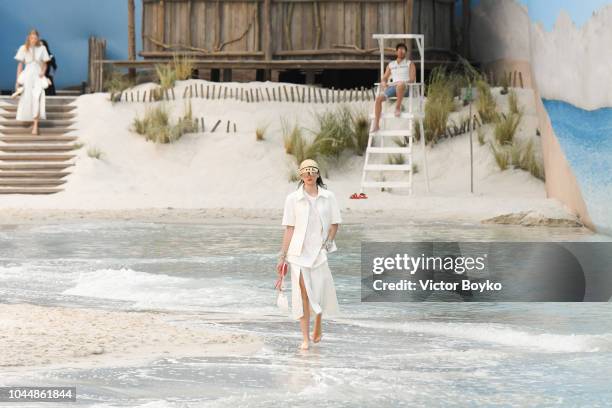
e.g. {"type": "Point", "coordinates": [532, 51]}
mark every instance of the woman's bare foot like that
{"type": "Point", "coordinates": [304, 345]}
{"type": "Point", "coordinates": [316, 337]}
{"type": "Point", "coordinates": [398, 112]}
{"type": "Point", "coordinates": [35, 130]}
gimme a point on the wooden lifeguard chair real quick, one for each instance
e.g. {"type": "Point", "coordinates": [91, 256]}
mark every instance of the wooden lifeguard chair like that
{"type": "Point", "coordinates": [413, 110]}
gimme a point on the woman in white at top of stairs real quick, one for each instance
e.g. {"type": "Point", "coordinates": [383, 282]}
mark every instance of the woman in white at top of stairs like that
{"type": "Point", "coordinates": [401, 71]}
{"type": "Point", "coordinates": [31, 81]}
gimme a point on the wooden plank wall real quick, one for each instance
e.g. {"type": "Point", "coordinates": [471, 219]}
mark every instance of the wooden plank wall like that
{"type": "Point", "coordinates": [298, 28]}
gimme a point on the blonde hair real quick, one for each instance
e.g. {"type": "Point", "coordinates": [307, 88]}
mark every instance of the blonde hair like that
{"type": "Point", "coordinates": [27, 41]}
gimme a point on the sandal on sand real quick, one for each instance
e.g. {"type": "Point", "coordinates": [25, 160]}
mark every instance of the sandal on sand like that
{"type": "Point", "coordinates": [354, 196]}
{"type": "Point", "coordinates": [362, 195]}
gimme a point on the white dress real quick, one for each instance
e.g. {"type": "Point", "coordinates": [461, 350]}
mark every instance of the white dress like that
{"type": "Point", "coordinates": [32, 100]}
{"type": "Point", "coordinates": [312, 264]}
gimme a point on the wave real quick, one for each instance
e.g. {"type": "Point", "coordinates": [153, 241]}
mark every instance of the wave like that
{"type": "Point", "coordinates": [148, 290]}
{"type": "Point", "coordinates": [503, 336]}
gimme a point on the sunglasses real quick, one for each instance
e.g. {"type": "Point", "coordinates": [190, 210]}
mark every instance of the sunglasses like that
{"type": "Point", "coordinates": [309, 172]}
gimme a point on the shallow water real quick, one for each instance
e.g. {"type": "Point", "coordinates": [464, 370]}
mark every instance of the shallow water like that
{"type": "Point", "coordinates": [389, 354]}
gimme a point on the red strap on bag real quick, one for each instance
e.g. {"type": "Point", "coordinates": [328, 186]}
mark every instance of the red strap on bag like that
{"type": "Point", "coordinates": [279, 281]}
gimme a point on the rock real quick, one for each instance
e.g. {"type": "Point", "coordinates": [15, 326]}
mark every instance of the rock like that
{"type": "Point", "coordinates": [534, 219]}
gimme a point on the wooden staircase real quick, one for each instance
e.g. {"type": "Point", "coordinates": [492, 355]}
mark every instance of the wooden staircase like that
{"type": "Point", "coordinates": [36, 164]}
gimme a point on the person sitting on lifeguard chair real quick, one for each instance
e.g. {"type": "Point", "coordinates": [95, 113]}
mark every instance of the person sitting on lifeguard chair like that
{"type": "Point", "coordinates": [402, 71]}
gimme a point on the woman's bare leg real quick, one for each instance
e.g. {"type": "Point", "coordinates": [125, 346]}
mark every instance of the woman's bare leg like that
{"type": "Point", "coordinates": [316, 333]}
{"type": "Point", "coordinates": [305, 319]}
{"type": "Point", "coordinates": [35, 127]}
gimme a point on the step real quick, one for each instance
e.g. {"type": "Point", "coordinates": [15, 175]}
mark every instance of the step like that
{"type": "Point", "coordinates": [50, 116]}
{"type": "Point", "coordinates": [29, 190]}
{"type": "Point", "coordinates": [37, 148]}
{"type": "Point", "coordinates": [36, 157]}
{"type": "Point", "coordinates": [42, 182]}
{"type": "Point", "coordinates": [388, 184]}
{"type": "Point", "coordinates": [43, 131]}
{"type": "Point", "coordinates": [33, 174]}
{"type": "Point", "coordinates": [37, 139]}
{"type": "Point", "coordinates": [388, 167]}
{"type": "Point", "coordinates": [404, 150]}
{"type": "Point", "coordinates": [69, 92]}
{"type": "Point", "coordinates": [49, 100]}
{"type": "Point", "coordinates": [403, 115]}
{"type": "Point", "coordinates": [34, 166]}
{"type": "Point", "coordinates": [45, 123]}
{"type": "Point", "coordinates": [48, 108]}
{"type": "Point", "coordinates": [391, 133]}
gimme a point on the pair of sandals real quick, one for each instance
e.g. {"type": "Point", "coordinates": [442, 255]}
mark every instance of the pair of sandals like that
{"type": "Point", "coordinates": [359, 196]}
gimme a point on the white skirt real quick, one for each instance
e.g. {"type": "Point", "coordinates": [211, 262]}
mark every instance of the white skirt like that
{"type": "Point", "coordinates": [319, 286]}
{"type": "Point", "coordinates": [32, 100]}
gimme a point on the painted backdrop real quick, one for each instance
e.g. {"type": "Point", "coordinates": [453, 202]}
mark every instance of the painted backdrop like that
{"type": "Point", "coordinates": [66, 25]}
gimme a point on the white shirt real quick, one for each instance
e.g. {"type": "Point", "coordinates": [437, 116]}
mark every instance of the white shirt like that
{"type": "Point", "coordinates": [298, 213]}
{"type": "Point", "coordinates": [312, 254]}
{"type": "Point", "coordinates": [37, 54]}
{"type": "Point", "coordinates": [400, 72]}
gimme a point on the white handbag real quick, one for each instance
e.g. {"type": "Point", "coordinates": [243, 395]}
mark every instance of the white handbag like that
{"type": "Point", "coordinates": [282, 302]}
{"type": "Point", "coordinates": [281, 299]}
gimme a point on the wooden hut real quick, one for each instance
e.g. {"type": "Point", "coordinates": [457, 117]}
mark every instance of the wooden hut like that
{"type": "Point", "coordinates": [291, 34]}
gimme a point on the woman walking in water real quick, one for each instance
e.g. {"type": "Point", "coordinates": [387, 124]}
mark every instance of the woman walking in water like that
{"type": "Point", "coordinates": [311, 217]}
{"type": "Point", "coordinates": [31, 80]}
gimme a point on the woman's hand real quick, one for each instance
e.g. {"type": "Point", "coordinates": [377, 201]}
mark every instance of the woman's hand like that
{"type": "Point", "coordinates": [279, 266]}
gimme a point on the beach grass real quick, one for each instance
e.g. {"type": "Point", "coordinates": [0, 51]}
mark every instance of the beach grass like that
{"type": "Point", "coordinates": [260, 132]}
{"type": "Point", "coordinates": [439, 104]}
{"type": "Point", "coordinates": [526, 159]}
{"type": "Point", "coordinates": [183, 67]}
{"type": "Point", "coordinates": [505, 128]}
{"type": "Point", "coordinates": [179, 69]}
{"type": "Point", "coordinates": [487, 108]}
{"type": "Point", "coordinates": [155, 125]}
{"type": "Point", "coordinates": [116, 82]}
{"type": "Point", "coordinates": [361, 129]}
{"type": "Point", "coordinates": [95, 153]}
{"type": "Point", "coordinates": [502, 158]}
{"type": "Point", "coordinates": [166, 75]}
{"type": "Point", "coordinates": [513, 102]}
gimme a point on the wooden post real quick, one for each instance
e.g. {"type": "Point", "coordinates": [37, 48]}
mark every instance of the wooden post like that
{"type": "Point", "coordinates": [465, 28]}
{"type": "Point", "coordinates": [131, 37]}
{"type": "Point", "coordinates": [161, 17]}
{"type": "Point", "coordinates": [97, 53]}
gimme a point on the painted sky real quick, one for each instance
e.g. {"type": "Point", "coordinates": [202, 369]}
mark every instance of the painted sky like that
{"type": "Point", "coordinates": [67, 25]}
{"type": "Point", "coordinates": [547, 11]}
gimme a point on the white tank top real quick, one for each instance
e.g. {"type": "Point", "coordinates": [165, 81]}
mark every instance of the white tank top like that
{"type": "Point", "coordinates": [400, 72]}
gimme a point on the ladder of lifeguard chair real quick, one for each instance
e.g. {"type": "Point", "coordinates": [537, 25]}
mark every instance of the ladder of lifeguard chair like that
{"type": "Point", "coordinates": [384, 150]}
